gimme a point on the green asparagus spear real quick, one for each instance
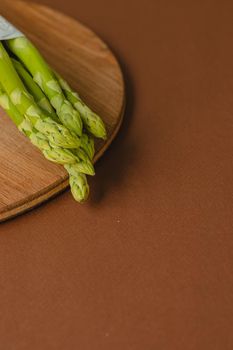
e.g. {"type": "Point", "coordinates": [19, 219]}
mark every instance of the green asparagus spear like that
{"type": "Point", "coordinates": [78, 184]}
{"type": "Point", "coordinates": [10, 109]}
{"type": "Point", "coordinates": [87, 145]}
{"type": "Point", "coordinates": [34, 89]}
{"type": "Point", "coordinates": [92, 122]}
{"type": "Point", "coordinates": [34, 62]}
{"type": "Point", "coordinates": [57, 134]}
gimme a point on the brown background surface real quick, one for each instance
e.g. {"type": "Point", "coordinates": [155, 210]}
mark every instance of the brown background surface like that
{"type": "Point", "coordinates": [147, 263]}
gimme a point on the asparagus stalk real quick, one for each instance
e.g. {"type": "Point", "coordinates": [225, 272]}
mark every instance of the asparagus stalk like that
{"type": "Point", "coordinates": [78, 184]}
{"type": "Point", "coordinates": [87, 145]}
{"type": "Point", "coordinates": [10, 109]}
{"type": "Point", "coordinates": [34, 89]}
{"type": "Point", "coordinates": [57, 134]}
{"type": "Point", "coordinates": [31, 58]}
{"type": "Point", "coordinates": [87, 142]}
{"type": "Point", "coordinates": [92, 122]}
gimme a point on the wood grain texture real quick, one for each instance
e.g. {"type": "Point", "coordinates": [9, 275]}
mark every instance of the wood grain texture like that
{"type": "Point", "coordinates": [26, 178]}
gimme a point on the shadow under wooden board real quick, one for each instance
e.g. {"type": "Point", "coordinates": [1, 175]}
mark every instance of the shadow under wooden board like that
{"type": "Point", "coordinates": [26, 178]}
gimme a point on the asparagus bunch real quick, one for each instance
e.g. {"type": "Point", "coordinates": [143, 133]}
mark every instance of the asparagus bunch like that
{"type": "Point", "coordinates": [86, 142]}
{"type": "Point", "coordinates": [48, 112]}
{"type": "Point", "coordinates": [77, 168]}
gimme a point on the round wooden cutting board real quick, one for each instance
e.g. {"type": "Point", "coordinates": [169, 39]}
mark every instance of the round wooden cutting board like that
{"type": "Point", "coordinates": [26, 178]}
